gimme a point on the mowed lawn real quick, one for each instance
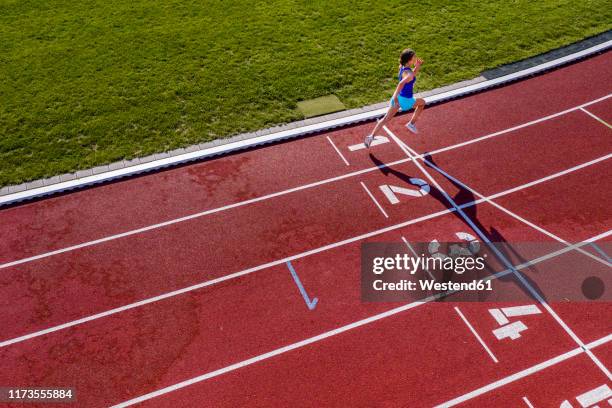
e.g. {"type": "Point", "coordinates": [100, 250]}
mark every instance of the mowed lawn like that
{"type": "Point", "coordinates": [88, 83]}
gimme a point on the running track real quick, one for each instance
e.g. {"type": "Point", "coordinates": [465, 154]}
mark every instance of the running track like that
{"type": "Point", "coordinates": [174, 289]}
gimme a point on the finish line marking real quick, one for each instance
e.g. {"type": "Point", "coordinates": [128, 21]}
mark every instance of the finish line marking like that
{"type": "Point", "coordinates": [338, 151]}
{"type": "Point", "coordinates": [528, 402]}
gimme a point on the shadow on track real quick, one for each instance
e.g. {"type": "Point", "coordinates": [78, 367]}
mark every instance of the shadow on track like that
{"type": "Point", "coordinates": [464, 195]}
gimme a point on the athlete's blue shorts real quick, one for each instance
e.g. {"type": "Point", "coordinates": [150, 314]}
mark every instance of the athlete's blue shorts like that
{"type": "Point", "coordinates": [405, 103]}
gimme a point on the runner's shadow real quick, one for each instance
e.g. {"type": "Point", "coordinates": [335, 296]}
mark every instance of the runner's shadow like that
{"type": "Point", "coordinates": [462, 197]}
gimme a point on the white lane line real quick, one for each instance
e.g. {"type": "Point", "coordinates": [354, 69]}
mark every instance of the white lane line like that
{"type": "Point", "coordinates": [416, 256]}
{"type": "Point", "coordinates": [221, 279]}
{"type": "Point", "coordinates": [528, 402]}
{"type": "Point", "coordinates": [524, 373]}
{"type": "Point", "coordinates": [499, 317]}
{"type": "Point", "coordinates": [500, 256]}
{"type": "Point", "coordinates": [597, 118]}
{"type": "Point", "coordinates": [475, 333]}
{"type": "Point", "coordinates": [338, 151]}
{"type": "Point", "coordinates": [599, 342]}
{"type": "Point", "coordinates": [599, 394]}
{"type": "Point", "coordinates": [246, 272]}
{"type": "Point", "coordinates": [323, 336]}
{"type": "Point", "coordinates": [516, 216]}
{"type": "Point", "coordinates": [378, 140]}
{"type": "Point", "coordinates": [374, 199]}
{"type": "Point", "coordinates": [521, 310]}
{"type": "Point", "coordinates": [242, 203]}
{"type": "Point", "coordinates": [284, 192]}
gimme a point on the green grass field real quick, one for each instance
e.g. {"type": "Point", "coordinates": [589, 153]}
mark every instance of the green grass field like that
{"type": "Point", "coordinates": [88, 83]}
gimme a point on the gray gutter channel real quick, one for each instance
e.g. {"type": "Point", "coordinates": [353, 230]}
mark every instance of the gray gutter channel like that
{"type": "Point", "coordinates": [126, 168]}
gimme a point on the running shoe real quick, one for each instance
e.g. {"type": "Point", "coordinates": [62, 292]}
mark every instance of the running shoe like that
{"type": "Point", "coordinates": [412, 127]}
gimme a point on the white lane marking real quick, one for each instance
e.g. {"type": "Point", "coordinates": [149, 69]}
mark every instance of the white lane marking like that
{"type": "Point", "coordinates": [417, 256]}
{"type": "Point", "coordinates": [511, 331]}
{"type": "Point", "coordinates": [224, 278]}
{"type": "Point", "coordinates": [294, 189]}
{"type": "Point", "coordinates": [252, 270]}
{"type": "Point", "coordinates": [390, 190]}
{"type": "Point", "coordinates": [273, 353]}
{"type": "Point", "coordinates": [592, 397]}
{"type": "Point", "coordinates": [499, 317]}
{"type": "Point", "coordinates": [597, 118]}
{"type": "Point", "coordinates": [378, 140]}
{"type": "Point", "coordinates": [521, 310]}
{"type": "Point", "coordinates": [475, 333]}
{"type": "Point", "coordinates": [409, 152]}
{"type": "Point", "coordinates": [338, 151]}
{"type": "Point", "coordinates": [323, 336]}
{"type": "Point", "coordinates": [528, 402]}
{"type": "Point", "coordinates": [524, 373]}
{"type": "Point", "coordinates": [599, 342]}
{"type": "Point", "coordinates": [374, 199]}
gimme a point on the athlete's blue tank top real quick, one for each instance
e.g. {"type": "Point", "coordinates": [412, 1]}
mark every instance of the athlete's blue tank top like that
{"type": "Point", "coordinates": [406, 91]}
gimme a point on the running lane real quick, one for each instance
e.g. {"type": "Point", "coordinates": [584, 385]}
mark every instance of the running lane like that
{"type": "Point", "coordinates": [574, 207]}
{"type": "Point", "coordinates": [208, 329]}
{"type": "Point", "coordinates": [526, 154]}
